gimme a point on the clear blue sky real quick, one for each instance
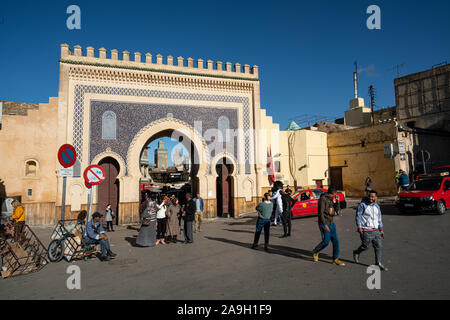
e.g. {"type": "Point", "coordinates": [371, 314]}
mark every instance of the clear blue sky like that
{"type": "Point", "coordinates": [305, 50]}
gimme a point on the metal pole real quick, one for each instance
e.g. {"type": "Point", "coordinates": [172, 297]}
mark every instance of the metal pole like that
{"type": "Point", "coordinates": [63, 198]}
{"type": "Point", "coordinates": [423, 163]}
{"type": "Point", "coordinates": [90, 203]}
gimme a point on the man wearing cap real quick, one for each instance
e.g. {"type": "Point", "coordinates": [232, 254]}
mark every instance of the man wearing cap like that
{"type": "Point", "coordinates": [94, 234]}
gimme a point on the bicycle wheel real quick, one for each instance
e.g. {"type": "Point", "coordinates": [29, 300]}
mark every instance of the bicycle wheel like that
{"type": "Point", "coordinates": [55, 251]}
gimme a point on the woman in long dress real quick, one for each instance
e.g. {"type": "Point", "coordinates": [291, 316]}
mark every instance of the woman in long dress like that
{"type": "Point", "coordinates": [173, 228]}
{"type": "Point", "coordinates": [147, 233]}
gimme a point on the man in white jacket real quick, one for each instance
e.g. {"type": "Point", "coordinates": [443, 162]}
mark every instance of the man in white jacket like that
{"type": "Point", "coordinates": [370, 228]}
{"type": "Point", "coordinates": [277, 200]}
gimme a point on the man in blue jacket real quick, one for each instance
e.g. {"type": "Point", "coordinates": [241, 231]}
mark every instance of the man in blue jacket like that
{"type": "Point", "coordinates": [94, 234]}
{"type": "Point", "coordinates": [370, 228]}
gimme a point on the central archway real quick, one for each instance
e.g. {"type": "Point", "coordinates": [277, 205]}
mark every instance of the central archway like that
{"type": "Point", "coordinates": [177, 130]}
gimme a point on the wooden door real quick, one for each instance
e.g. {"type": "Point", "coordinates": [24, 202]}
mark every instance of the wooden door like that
{"type": "Point", "coordinates": [108, 191]}
{"type": "Point", "coordinates": [336, 177]}
{"type": "Point", "coordinates": [224, 190]}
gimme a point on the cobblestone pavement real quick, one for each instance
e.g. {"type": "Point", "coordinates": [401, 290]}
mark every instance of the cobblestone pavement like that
{"type": "Point", "coordinates": [221, 265]}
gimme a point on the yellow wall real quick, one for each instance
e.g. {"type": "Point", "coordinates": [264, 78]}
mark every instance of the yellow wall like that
{"type": "Point", "coordinates": [359, 162]}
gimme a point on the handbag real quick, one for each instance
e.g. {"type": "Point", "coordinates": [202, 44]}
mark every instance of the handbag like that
{"type": "Point", "coordinates": [146, 221]}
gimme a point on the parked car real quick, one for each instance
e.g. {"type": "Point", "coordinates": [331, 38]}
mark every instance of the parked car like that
{"type": "Point", "coordinates": [308, 201]}
{"type": "Point", "coordinates": [431, 192]}
{"type": "Point", "coordinates": [441, 169]}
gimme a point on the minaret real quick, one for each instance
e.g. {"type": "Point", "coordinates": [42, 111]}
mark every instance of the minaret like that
{"type": "Point", "coordinates": [161, 156]}
{"type": "Point", "coordinates": [358, 115]}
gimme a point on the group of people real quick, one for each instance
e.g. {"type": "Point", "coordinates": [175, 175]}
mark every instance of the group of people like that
{"type": "Point", "coordinates": [401, 180]}
{"type": "Point", "coordinates": [161, 222]}
{"type": "Point", "coordinates": [368, 222]}
{"type": "Point", "coordinates": [276, 205]}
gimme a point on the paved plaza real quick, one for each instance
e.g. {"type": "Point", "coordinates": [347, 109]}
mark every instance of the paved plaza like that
{"type": "Point", "coordinates": [221, 265]}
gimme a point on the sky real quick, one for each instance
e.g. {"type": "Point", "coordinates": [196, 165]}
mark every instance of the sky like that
{"type": "Point", "coordinates": [305, 50]}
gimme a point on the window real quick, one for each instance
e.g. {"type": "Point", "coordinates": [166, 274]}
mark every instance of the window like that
{"type": "Point", "coordinates": [31, 168]}
{"type": "Point", "coordinates": [29, 192]}
{"type": "Point", "coordinates": [109, 125]}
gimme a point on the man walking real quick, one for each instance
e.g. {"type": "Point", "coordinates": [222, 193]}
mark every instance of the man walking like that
{"type": "Point", "coordinates": [264, 209]}
{"type": "Point", "coordinates": [198, 213]}
{"type": "Point", "coordinates": [370, 228]}
{"type": "Point", "coordinates": [189, 216]}
{"type": "Point", "coordinates": [327, 226]}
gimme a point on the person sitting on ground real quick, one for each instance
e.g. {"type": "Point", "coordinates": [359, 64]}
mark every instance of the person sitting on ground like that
{"type": "Point", "coordinates": [95, 234]}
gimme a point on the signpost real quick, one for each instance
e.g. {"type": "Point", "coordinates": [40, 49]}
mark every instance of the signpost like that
{"type": "Point", "coordinates": [66, 157]}
{"type": "Point", "coordinates": [93, 175]}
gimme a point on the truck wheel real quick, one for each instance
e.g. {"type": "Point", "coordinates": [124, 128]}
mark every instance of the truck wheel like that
{"type": "Point", "coordinates": [440, 207]}
{"type": "Point", "coordinates": [55, 251]}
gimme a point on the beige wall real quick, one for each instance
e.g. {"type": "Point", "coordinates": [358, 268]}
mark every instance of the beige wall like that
{"type": "Point", "coordinates": [293, 149]}
{"type": "Point", "coordinates": [31, 137]}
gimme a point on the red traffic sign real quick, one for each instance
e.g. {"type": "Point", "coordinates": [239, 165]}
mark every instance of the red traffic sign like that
{"type": "Point", "coordinates": [87, 184]}
{"type": "Point", "coordinates": [94, 175]}
{"type": "Point", "coordinates": [67, 155]}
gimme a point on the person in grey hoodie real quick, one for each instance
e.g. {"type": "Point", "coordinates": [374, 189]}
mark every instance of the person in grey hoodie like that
{"type": "Point", "coordinates": [370, 228]}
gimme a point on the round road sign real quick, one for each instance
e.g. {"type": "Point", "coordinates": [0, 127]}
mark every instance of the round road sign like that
{"type": "Point", "coordinates": [67, 155]}
{"type": "Point", "coordinates": [87, 184]}
{"type": "Point", "coordinates": [94, 175]}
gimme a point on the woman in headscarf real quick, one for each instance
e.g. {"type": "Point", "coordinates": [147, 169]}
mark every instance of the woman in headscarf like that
{"type": "Point", "coordinates": [173, 227]}
{"type": "Point", "coordinates": [147, 233]}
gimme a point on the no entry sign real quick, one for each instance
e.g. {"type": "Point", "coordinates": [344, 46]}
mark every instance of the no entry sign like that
{"type": "Point", "coordinates": [67, 155]}
{"type": "Point", "coordinates": [94, 175]}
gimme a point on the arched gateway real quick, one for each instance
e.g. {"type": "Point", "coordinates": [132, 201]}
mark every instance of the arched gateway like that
{"type": "Point", "coordinates": [110, 108]}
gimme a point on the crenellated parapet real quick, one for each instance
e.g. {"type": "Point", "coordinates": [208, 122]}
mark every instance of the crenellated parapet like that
{"type": "Point", "coordinates": [156, 63]}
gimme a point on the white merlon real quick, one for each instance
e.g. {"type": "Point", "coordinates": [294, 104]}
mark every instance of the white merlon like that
{"type": "Point", "coordinates": [77, 51]}
{"type": "Point", "coordinates": [237, 67]}
{"type": "Point", "coordinates": [114, 54]}
{"type": "Point", "coordinates": [202, 67]}
{"type": "Point", "coordinates": [102, 53]}
{"type": "Point", "coordinates": [126, 56]}
{"type": "Point", "coordinates": [90, 52]}
{"type": "Point", "coordinates": [200, 63]}
{"type": "Point", "coordinates": [65, 50]}
{"type": "Point", "coordinates": [148, 58]}
{"type": "Point", "coordinates": [137, 57]}
{"type": "Point", "coordinates": [159, 59]}
{"type": "Point", "coordinates": [190, 62]}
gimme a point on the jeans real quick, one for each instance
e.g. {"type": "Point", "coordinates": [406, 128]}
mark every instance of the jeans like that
{"type": "Point", "coordinates": [326, 237]}
{"type": "Point", "coordinates": [260, 224]}
{"type": "Point", "coordinates": [373, 238]}
{"type": "Point", "coordinates": [104, 244]}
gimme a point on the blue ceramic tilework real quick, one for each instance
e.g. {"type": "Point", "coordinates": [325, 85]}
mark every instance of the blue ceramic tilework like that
{"type": "Point", "coordinates": [80, 90]}
{"type": "Point", "coordinates": [132, 117]}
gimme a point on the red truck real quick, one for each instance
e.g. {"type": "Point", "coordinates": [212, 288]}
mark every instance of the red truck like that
{"type": "Point", "coordinates": [430, 192]}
